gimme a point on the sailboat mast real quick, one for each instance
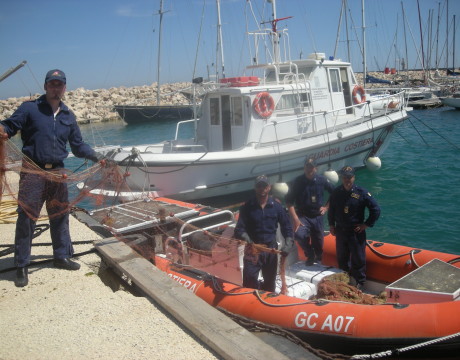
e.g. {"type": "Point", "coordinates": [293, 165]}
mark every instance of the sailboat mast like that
{"type": "Point", "coordinates": [346, 28]}
{"type": "Point", "coordinates": [276, 48]}
{"type": "Point", "coordinates": [437, 37]}
{"type": "Point", "coordinates": [405, 40]}
{"type": "Point", "coordinates": [337, 39]}
{"type": "Point", "coordinates": [421, 42]}
{"type": "Point", "coordinates": [364, 41]}
{"type": "Point", "coordinates": [160, 12]}
{"type": "Point", "coordinates": [453, 50]}
{"type": "Point", "coordinates": [447, 35]}
{"type": "Point", "coordinates": [220, 45]}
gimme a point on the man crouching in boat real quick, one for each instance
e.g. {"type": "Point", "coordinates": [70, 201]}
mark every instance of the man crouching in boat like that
{"type": "Point", "coordinates": [347, 205]}
{"type": "Point", "coordinates": [257, 224]}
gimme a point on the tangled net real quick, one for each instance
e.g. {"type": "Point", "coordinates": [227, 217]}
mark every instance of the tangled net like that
{"type": "Point", "coordinates": [211, 251]}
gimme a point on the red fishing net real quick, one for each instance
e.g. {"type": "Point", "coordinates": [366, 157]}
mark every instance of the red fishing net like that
{"type": "Point", "coordinates": [192, 235]}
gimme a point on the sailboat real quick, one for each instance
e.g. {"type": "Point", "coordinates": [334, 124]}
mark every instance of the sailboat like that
{"type": "Point", "coordinates": [135, 113]}
{"type": "Point", "coordinates": [268, 124]}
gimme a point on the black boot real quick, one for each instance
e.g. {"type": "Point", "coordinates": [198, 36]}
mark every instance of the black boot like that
{"type": "Point", "coordinates": [66, 264]}
{"type": "Point", "coordinates": [22, 278]}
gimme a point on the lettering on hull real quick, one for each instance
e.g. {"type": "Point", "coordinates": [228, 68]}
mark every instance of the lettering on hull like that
{"type": "Point", "coordinates": [345, 148]}
{"type": "Point", "coordinates": [339, 324]}
{"type": "Point", "coordinates": [186, 283]}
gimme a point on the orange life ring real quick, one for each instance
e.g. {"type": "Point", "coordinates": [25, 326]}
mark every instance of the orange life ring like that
{"type": "Point", "coordinates": [362, 95]}
{"type": "Point", "coordinates": [264, 104]}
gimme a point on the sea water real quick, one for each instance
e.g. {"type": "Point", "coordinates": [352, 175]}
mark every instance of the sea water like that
{"type": "Point", "coordinates": [417, 187]}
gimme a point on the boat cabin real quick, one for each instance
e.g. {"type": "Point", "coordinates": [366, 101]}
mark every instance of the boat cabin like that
{"type": "Point", "coordinates": [242, 111]}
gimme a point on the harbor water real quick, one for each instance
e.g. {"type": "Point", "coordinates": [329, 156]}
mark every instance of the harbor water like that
{"type": "Point", "coordinates": [417, 187]}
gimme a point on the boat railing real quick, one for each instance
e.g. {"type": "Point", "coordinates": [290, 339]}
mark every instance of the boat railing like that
{"type": "Point", "coordinates": [312, 124]}
{"type": "Point", "coordinates": [182, 123]}
{"type": "Point", "coordinates": [224, 217]}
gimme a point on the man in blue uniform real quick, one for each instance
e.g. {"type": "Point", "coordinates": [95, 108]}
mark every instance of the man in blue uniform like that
{"type": "Point", "coordinates": [46, 125]}
{"type": "Point", "coordinates": [257, 224]}
{"type": "Point", "coordinates": [305, 202]}
{"type": "Point", "coordinates": [346, 220]}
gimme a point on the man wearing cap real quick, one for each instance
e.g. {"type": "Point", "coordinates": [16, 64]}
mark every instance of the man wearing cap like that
{"type": "Point", "coordinates": [257, 224]}
{"type": "Point", "coordinates": [346, 221]}
{"type": "Point", "coordinates": [305, 202]}
{"type": "Point", "coordinates": [46, 125]}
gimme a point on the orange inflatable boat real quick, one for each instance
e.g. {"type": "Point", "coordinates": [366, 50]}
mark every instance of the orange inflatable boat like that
{"type": "Point", "coordinates": [421, 316]}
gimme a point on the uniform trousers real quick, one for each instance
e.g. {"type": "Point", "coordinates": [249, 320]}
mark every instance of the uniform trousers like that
{"type": "Point", "coordinates": [34, 191]}
{"type": "Point", "coordinates": [262, 261]}
{"type": "Point", "coordinates": [310, 236]}
{"type": "Point", "coordinates": [351, 253]}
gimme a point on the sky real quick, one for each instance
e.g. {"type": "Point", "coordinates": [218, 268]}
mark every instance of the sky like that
{"type": "Point", "coordinates": [101, 44]}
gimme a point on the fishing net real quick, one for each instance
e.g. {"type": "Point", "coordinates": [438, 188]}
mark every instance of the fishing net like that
{"type": "Point", "coordinates": [187, 234]}
{"type": "Point", "coordinates": [59, 186]}
{"type": "Point", "coordinates": [336, 287]}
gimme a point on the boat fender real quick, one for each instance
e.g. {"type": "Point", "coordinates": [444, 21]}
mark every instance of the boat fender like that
{"type": "Point", "coordinates": [280, 190]}
{"type": "Point", "coordinates": [373, 163]}
{"type": "Point", "coordinates": [264, 104]}
{"type": "Point", "coordinates": [331, 176]}
{"type": "Point", "coordinates": [359, 95]}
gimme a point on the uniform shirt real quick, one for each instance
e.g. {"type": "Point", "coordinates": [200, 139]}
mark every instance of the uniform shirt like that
{"type": "Point", "coordinates": [346, 208]}
{"type": "Point", "coordinates": [308, 194]}
{"type": "Point", "coordinates": [45, 137]}
{"type": "Point", "coordinates": [261, 224]}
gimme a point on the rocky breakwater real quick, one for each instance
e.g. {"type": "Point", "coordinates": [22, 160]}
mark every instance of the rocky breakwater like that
{"type": "Point", "coordinates": [98, 105]}
{"type": "Point", "coordinates": [404, 78]}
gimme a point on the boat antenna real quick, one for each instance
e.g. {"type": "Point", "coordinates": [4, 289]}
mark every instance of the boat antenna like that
{"type": "Point", "coordinates": [276, 36]}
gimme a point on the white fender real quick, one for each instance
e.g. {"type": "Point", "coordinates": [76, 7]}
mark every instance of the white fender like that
{"type": "Point", "coordinates": [332, 176]}
{"type": "Point", "coordinates": [373, 163]}
{"type": "Point", "coordinates": [280, 190]}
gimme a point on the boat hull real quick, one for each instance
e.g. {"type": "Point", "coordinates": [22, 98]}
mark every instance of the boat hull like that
{"type": "Point", "coordinates": [451, 101]}
{"type": "Point", "coordinates": [196, 176]}
{"type": "Point", "coordinates": [132, 114]}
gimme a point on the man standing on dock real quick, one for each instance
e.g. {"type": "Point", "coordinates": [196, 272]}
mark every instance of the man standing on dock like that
{"type": "Point", "coordinates": [257, 224]}
{"type": "Point", "coordinates": [46, 125]}
{"type": "Point", "coordinates": [346, 221]}
{"type": "Point", "coordinates": [305, 203]}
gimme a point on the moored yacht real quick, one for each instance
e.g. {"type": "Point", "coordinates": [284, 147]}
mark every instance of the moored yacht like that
{"type": "Point", "coordinates": [266, 123]}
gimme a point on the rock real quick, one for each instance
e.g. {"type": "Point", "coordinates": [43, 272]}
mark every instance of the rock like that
{"type": "Point", "coordinates": [97, 105]}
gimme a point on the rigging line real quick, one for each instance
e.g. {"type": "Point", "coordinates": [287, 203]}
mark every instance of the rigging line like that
{"type": "Point", "coordinates": [172, 171]}
{"type": "Point", "coordinates": [280, 177]}
{"type": "Point", "coordinates": [440, 135]}
{"type": "Point", "coordinates": [397, 132]}
{"type": "Point", "coordinates": [418, 132]}
{"type": "Point", "coordinates": [199, 37]}
{"type": "Point", "coordinates": [328, 140]}
{"type": "Point", "coordinates": [33, 75]}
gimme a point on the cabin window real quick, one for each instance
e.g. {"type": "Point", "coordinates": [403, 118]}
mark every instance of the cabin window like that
{"type": "Point", "coordinates": [214, 110]}
{"type": "Point", "coordinates": [335, 80]}
{"type": "Point", "coordinates": [237, 111]}
{"type": "Point", "coordinates": [306, 71]}
{"type": "Point", "coordinates": [291, 101]}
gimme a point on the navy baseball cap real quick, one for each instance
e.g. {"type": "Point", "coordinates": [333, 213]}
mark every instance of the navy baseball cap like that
{"type": "Point", "coordinates": [262, 179]}
{"type": "Point", "coordinates": [55, 75]}
{"type": "Point", "coordinates": [347, 171]}
{"type": "Point", "coordinates": [310, 162]}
